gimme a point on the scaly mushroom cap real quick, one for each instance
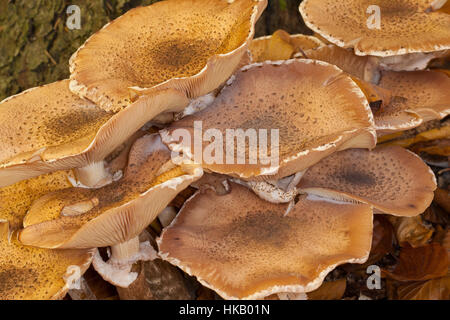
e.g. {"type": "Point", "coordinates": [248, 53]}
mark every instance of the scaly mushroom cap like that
{"type": "Point", "coordinates": [118, 212]}
{"type": "Point", "coordinates": [315, 106]}
{"type": "Point", "coordinates": [406, 26]}
{"type": "Point", "coordinates": [28, 273]}
{"type": "Point", "coordinates": [395, 117]}
{"type": "Point", "coordinates": [190, 45]}
{"type": "Point", "coordinates": [246, 248]}
{"type": "Point", "coordinates": [16, 199]}
{"type": "Point", "coordinates": [48, 128]}
{"type": "Point", "coordinates": [391, 179]}
{"type": "Point", "coordinates": [424, 94]}
{"type": "Point", "coordinates": [364, 68]}
{"type": "Point", "coordinates": [281, 46]}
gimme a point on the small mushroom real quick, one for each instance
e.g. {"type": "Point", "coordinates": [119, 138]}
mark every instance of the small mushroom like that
{"type": "Point", "coordinates": [316, 108]}
{"type": "Point", "coordinates": [48, 128]}
{"type": "Point", "coordinates": [113, 215]}
{"type": "Point", "coordinates": [192, 46]}
{"type": "Point", "coordinates": [426, 95]}
{"type": "Point", "coordinates": [29, 273]}
{"type": "Point", "coordinates": [410, 31]}
{"type": "Point", "coordinates": [391, 179]}
{"type": "Point", "coordinates": [243, 247]}
{"type": "Point", "coordinates": [281, 46]}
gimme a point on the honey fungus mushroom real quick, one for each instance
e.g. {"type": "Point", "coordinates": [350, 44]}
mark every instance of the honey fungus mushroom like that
{"type": "Point", "coordinates": [192, 46]}
{"type": "Point", "coordinates": [281, 46]}
{"type": "Point", "coordinates": [16, 199]}
{"type": "Point", "coordinates": [29, 273]}
{"type": "Point", "coordinates": [113, 215]}
{"type": "Point", "coordinates": [400, 100]}
{"type": "Point", "coordinates": [315, 107]}
{"type": "Point", "coordinates": [391, 179]}
{"type": "Point", "coordinates": [421, 94]}
{"type": "Point", "coordinates": [405, 34]}
{"type": "Point", "coordinates": [48, 128]}
{"type": "Point", "coordinates": [243, 247]}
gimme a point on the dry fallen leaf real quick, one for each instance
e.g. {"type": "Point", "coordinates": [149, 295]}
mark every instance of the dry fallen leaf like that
{"type": "Point", "coordinates": [330, 290]}
{"type": "Point", "coordinates": [441, 132]}
{"type": "Point", "coordinates": [440, 147]}
{"type": "Point", "coordinates": [435, 289]}
{"type": "Point", "coordinates": [436, 214]}
{"type": "Point", "coordinates": [418, 264]}
{"type": "Point", "coordinates": [411, 230]}
{"type": "Point", "coordinates": [442, 198]}
{"type": "Point", "coordinates": [382, 239]}
{"type": "Point", "coordinates": [279, 47]}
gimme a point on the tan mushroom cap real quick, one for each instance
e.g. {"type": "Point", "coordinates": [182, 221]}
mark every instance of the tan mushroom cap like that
{"type": "Point", "coordinates": [281, 46]}
{"type": "Point", "coordinates": [364, 68]}
{"type": "Point", "coordinates": [406, 26]}
{"type": "Point", "coordinates": [29, 273]}
{"type": "Point", "coordinates": [48, 128]}
{"type": "Point", "coordinates": [246, 248]}
{"type": "Point", "coordinates": [16, 199]}
{"type": "Point", "coordinates": [190, 45]}
{"type": "Point", "coordinates": [315, 106]}
{"type": "Point", "coordinates": [425, 94]}
{"type": "Point", "coordinates": [391, 179]}
{"type": "Point", "coordinates": [118, 212]}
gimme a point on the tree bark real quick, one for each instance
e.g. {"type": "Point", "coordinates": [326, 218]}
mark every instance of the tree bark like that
{"type": "Point", "coordinates": [36, 44]}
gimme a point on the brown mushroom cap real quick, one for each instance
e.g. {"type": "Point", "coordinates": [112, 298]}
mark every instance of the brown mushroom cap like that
{"type": "Point", "coordinates": [391, 179]}
{"type": "Point", "coordinates": [246, 248]}
{"type": "Point", "coordinates": [426, 94]}
{"type": "Point", "coordinates": [315, 106]}
{"type": "Point", "coordinates": [118, 212]}
{"type": "Point", "coordinates": [29, 273]}
{"type": "Point", "coordinates": [16, 199]}
{"type": "Point", "coordinates": [364, 68]}
{"type": "Point", "coordinates": [281, 46]}
{"type": "Point", "coordinates": [48, 128]}
{"type": "Point", "coordinates": [406, 26]}
{"type": "Point", "coordinates": [189, 45]}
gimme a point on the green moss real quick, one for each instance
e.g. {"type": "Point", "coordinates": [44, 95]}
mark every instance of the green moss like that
{"type": "Point", "coordinates": [35, 44]}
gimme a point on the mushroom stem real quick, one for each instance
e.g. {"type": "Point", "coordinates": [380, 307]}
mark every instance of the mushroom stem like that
{"type": "Point", "coordinates": [117, 270]}
{"type": "Point", "coordinates": [94, 175]}
{"type": "Point", "coordinates": [126, 250]}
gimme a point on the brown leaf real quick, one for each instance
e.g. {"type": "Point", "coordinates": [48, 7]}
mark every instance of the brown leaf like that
{"type": "Point", "coordinates": [330, 290]}
{"type": "Point", "coordinates": [382, 239]}
{"type": "Point", "coordinates": [411, 230]}
{"type": "Point", "coordinates": [417, 264]}
{"type": "Point", "coordinates": [439, 147]}
{"type": "Point", "coordinates": [442, 198]}
{"type": "Point", "coordinates": [436, 214]}
{"type": "Point", "coordinates": [435, 289]}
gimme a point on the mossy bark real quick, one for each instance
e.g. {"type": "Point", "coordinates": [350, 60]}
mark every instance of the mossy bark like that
{"type": "Point", "coordinates": [35, 43]}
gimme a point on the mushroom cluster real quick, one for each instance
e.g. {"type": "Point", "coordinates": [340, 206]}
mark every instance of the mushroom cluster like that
{"type": "Point", "coordinates": [91, 161]}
